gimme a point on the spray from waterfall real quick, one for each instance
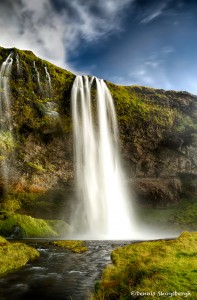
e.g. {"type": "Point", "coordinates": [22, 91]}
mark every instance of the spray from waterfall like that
{"type": "Point", "coordinates": [48, 79]}
{"type": "Point", "coordinates": [38, 76]}
{"type": "Point", "coordinates": [107, 211]}
{"type": "Point", "coordinates": [6, 136]}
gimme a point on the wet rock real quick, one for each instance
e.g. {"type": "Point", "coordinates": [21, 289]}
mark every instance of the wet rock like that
{"type": "Point", "coordinates": [157, 192]}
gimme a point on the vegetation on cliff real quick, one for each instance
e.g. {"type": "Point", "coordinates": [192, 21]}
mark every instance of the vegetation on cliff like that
{"type": "Point", "coordinates": [15, 255]}
{"type": "Point", "coordinates": [150, 268]}
{"type": "Point", "coordinates": [157, 133]}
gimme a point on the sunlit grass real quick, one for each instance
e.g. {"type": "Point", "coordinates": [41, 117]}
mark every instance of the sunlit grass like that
{"type": "Point", "coordinates": [14, 255]}
{"type": "Point", "coordinates": [147, 267]}
{"type": "Point", "coordinates": [22, 226]}
{"type": "Point", "coordinates": [75, 246]}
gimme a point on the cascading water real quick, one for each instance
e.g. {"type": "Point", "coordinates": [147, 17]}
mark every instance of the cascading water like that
{"type": "Point", "coordinates": [5, 115]}
{"type": "Point", "coordinates": [99, 177]}
{"type": "Point", "coordinates": [38, 76]}
{"type": "Point", "coordinates": [18, 65]}
{"type": "Point", "coordinates": [6, 136]}
{"type": "Point", "coordinates": [48, 79]}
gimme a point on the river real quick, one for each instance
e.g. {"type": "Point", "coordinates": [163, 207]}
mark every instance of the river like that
{"type": "Point", "coordinates": [59, 274]}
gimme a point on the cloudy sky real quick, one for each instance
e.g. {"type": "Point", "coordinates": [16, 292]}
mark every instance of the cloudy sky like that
{"type": "Point", "coordinates": [151, 43]}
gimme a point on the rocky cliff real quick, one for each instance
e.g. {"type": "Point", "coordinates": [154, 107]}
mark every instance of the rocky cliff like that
{"type": "Point", "coordinates": [158, 140]}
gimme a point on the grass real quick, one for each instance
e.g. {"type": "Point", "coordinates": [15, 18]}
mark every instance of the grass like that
{"type": "Point", "coordinates": [22, 226]}
{"type": "Point", "coordinates": [181, 217]}
{"type": "Point", "coordinates": [14, 255]}
{"type": "Point", "coordinates": [151, 267]}
{"type": "Point", "coordinates": [75, 246]}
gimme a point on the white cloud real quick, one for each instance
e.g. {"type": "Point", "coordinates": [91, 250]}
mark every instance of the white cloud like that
{"type": "Point", "coordinates": [154, 12]}
{"type": "Point", "coordinates": [52, 34]}
{"type": "Point", "coordinates": [151, 71]}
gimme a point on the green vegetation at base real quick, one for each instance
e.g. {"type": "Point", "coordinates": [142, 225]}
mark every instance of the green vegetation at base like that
{"type": "Point", "coordinates": [21, 226]}
{"type": "Point", "coordinates": [180, 217]}
{"type": "Point", "coordinates": [75, 246]}
{"type": "Point", "coordinates": [15, 255]}
{"type": "Point", "coordinates": [150, 267]}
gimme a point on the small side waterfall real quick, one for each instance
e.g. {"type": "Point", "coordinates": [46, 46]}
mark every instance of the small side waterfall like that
{"type": "Point", "coordinates": [6, 137]}
{"type": "Point", "coordinates": [38, 76]}
{"type": "Point", "coordinates": [99, 177]}
{"type": "Point", "coordinates": [48, 79]}
{"type": "Point", "coordinates": [5, 116]}
{"type": "Point", "coordinates": [18, 65]}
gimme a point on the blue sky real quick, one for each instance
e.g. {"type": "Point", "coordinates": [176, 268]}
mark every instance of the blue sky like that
{"type": "Point", "coordinates": [151, 43]}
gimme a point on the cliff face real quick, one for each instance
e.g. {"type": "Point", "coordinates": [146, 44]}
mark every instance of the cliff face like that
{"type": "Point", "coordinates": [158, 139]}
{"type": "Point", "coordinates": [158, 134]}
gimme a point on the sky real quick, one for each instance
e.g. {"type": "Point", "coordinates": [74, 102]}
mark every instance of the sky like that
{"type": "Point", "coordinates": [128, 42]}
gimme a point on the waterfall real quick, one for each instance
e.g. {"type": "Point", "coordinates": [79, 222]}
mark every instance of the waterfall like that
{"type": "Point", "coordinates": [5, 115]}
{"type": "Point", "coordinates": [48, 79]}
{"type": "Point", "coordinates": [38, 76]}
{"type": "Point", "coordinates": [6, 137]}
{"type": "Point", "coordinates": [99, 176]}
{"type": "Point", "coordinates": [18, 65]}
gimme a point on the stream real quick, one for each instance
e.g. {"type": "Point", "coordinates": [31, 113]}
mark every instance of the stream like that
{"type": "Point", "coordinates": [59, 274]}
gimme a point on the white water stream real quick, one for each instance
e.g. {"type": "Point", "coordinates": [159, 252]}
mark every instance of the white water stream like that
{"type": "Point", "coordinates": [5, 115]}
{"type": "Point", "coordinates": [48, 79]}
{"type": "Point", "coordinates": [18, 65]}
{"type": "Point", "coordinates": [6, 136]}
{"type": "Point", "coordinates": [99, 177]}
{"type": "Point", "coordinates": [38, 76]}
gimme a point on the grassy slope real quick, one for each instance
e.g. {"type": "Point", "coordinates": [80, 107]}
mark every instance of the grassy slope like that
{"type": "Point", "coordinates": [166, 266]}
{"type": "Point", "coordinates": [21, 226]}
{"type": "Point", "coordinates": [14, 255]}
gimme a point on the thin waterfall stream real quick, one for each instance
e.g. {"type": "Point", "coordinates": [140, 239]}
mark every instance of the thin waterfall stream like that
{"type": "Point", "coordinates": [5, 115]}
{"type": "Point", "coordinates": [6, 135]}
{"type": "Point", "coordinates": [38, 76]}
{"type": "Point", "coordinates": [48, 79]}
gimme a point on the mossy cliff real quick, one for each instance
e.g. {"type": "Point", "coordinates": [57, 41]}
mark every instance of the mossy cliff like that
{"type": "Point", "coordinates": [157, 140]}
{"type": "Point", "coordinates": [158, 131]}
{"type": "Point", "coordinates": [38, 153]}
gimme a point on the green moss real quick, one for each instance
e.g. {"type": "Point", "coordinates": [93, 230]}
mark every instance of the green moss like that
{"type": "Point", "coordinates": [20, 226]}
{"type": "Point", "coordinates": [7, 143]}
{"type": "Point", "coordinates": [60, 227]}
{"type": "Point", "coordinates": [11, 205]}
{"type": "Point", "coordinates": [75, 246]}
{"type": "Point", "coordinates": [147, 267]}
{"type": "Point", "coordinates": [16, 200]}
{"type": "Point", "coordinates": [28, 108]}
{"type": "Point", "coordinates": [152, 111]}
{"type": "Point", "coordinates": [15, 255]}
{"type": "Point", "coordinates": [133, 107]}
{"type": "Point", "coordinates": [36, 167]}
{"type": "Point", "coordinates": [180, 217]}
{"type": "Point", "coordinates": [3, 241]}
